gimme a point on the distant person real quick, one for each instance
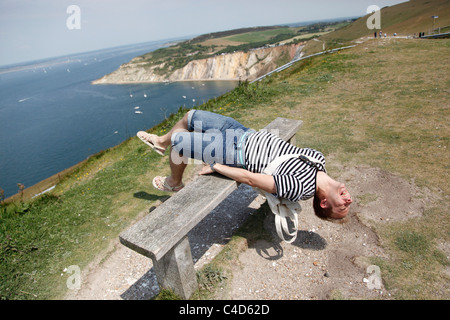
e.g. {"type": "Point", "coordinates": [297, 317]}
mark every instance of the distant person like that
{"type": "Point", "coordinates": [375, 34]}
{"type": "Point", "coordinates": [242, 154]}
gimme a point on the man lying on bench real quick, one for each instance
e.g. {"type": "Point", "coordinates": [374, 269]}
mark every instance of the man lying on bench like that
{"type": "Point", "coordinates": [243, 154]}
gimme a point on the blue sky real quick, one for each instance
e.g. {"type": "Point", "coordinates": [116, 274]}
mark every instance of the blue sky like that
{"type": "Point", "coordinates": [36, 29]}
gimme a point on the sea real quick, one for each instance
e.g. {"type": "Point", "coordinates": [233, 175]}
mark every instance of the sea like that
{"type": "Point", "coordinates": [52, 117]}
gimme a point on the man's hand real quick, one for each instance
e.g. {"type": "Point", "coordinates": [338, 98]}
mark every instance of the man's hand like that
{"type": "Point", "coordinates": [205, 170]}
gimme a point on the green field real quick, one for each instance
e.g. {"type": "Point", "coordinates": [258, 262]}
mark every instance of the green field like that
{"type": "Point", "coordinates": [260, 35]}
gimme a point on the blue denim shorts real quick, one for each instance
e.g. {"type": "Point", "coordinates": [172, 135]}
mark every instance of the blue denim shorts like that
{"type": "Point", "coordinates": [212, 138]}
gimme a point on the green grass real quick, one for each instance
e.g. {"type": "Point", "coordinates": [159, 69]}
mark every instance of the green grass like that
{"type": "Point", "coordinates": [379, 105]}
{"type": "Point", "coordinates": [260, 35]}
{"type": "Point", "coordinates": [39, 239]}
{"type": "Point", "coordinates": [69, 227]}
{"type": "Point", "coordinates": [376, 105]}
{"type": "Point", "coordinates": [416, 270]}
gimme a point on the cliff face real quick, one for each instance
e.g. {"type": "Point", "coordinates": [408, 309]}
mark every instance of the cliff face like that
{"type": "Point", "coordinates": [234, 66]}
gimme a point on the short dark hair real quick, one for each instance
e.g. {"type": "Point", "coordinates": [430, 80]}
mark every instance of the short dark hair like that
{"type": "Point", "coordinates": [322, 213]}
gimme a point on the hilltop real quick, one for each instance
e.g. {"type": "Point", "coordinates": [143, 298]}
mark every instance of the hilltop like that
{"type": "Point", "coordinates": [406, 19]}
{"type": "Point", "coordinates": [241, 54]}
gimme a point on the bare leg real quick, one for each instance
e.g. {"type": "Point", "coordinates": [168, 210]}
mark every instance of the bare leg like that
{"type": "Point", "coordinates": [181, 125]}
{"type": "Point", "coordinates": [177, 170]}
{"type": "Point", "coordinates": [176, 167]}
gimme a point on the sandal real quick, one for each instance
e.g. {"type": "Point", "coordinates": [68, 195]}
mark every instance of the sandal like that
{"type": "Point", "coordinates": [161, 184]}
{"type": "Point", "coordinates": [149, 139]}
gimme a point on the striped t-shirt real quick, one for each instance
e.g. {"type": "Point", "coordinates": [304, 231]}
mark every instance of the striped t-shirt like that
{"type": "Point", "coordinates": [294, 179]}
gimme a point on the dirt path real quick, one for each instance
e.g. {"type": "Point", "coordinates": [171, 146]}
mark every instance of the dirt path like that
{"type": "Point", "coordinates": [327, 260]}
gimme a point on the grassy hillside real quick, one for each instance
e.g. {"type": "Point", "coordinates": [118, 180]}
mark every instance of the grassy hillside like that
{"type": "Point", "coordinates": [382, 104]}
{"type": "Point", "coordinates": [405, 19]}
{"type": "Point", "coordinates": [179, 55]}
{"type": "Point", "coordinates": [415, 16]}
{"type": "Point", "coordinates": [377, 104]}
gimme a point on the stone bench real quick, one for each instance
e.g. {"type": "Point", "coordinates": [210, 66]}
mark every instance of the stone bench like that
{"type": "Point", "coordinates": [162, 234]}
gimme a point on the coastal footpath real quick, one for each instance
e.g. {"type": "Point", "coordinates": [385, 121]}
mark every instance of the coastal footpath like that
{"type": "Point", "coordinates": [231, 66]}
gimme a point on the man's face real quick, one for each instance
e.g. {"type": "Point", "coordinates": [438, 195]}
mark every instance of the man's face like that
{"type": "Point", "coordinates": [339, 200]}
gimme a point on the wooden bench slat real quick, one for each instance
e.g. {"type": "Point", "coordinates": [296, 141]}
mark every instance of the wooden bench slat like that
{"type": "Point", "coordinates": [160, 230]}
{"type": "Point", "coordinates": [156, 233]}
{"type": "Point", "coordinates": [287, 127]}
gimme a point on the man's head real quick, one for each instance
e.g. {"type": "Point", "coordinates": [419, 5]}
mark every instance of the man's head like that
{"type": "Point", "coordinates": [332, 199]}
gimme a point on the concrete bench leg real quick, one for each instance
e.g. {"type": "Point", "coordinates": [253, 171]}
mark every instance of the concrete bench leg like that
{"type": "Point", "coordinates": [176, 270]}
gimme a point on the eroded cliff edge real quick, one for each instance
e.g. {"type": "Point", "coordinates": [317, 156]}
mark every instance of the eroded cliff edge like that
{"type": "Point", "coordinates": [233, 66]}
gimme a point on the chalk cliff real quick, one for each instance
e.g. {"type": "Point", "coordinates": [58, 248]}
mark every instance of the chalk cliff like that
{"type": "Point", "coordinates": [233, 66]}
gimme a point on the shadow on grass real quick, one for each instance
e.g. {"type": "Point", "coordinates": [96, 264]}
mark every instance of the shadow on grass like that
{"type": "Point", "coordinates": [149, 196]}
